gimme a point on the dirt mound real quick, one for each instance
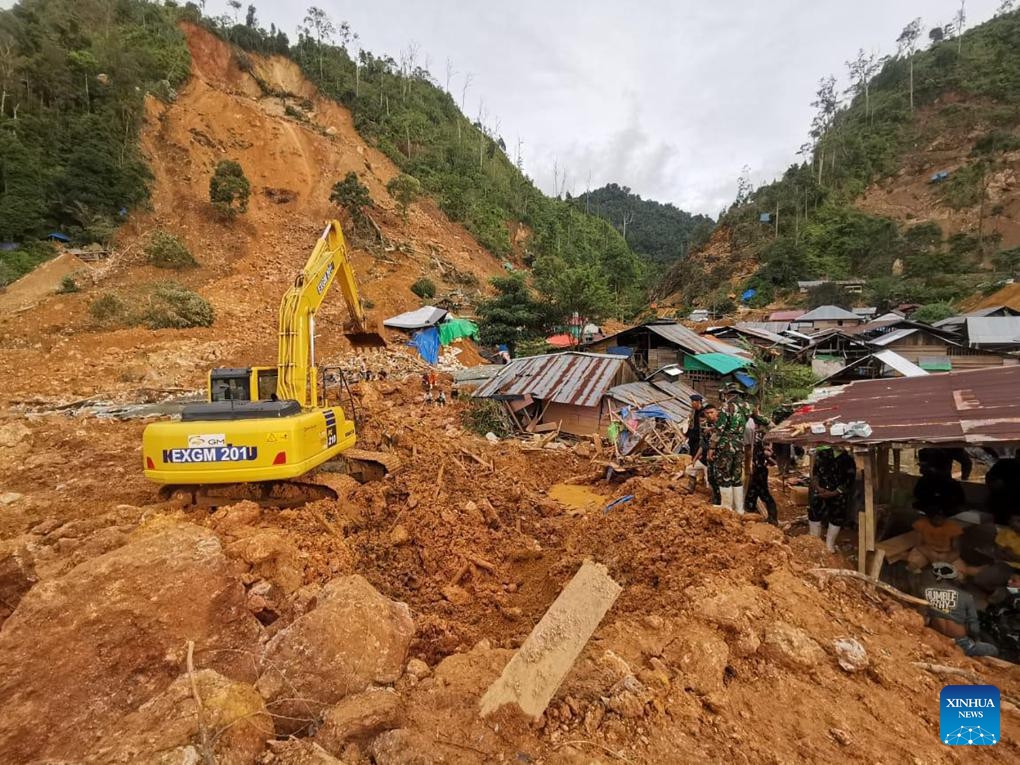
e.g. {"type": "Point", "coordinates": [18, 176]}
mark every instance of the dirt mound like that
{"type": "Point", "coordinates": [39, 284]}
{"type": "Point", "coordinates": [245, 266]}
{"type": "Point", "coordinates": [1008, 295]}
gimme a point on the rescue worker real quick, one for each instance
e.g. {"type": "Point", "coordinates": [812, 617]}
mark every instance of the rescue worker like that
{"type": "Point", "coordinates": [828, 497]}
{"type": "Point", "coordinates": [708, 426]}
{"type": "Point", "coordinates": [952, 612]}
{"type": "Point", "coordinates": [694, 428]}
{"type": "Point", "coordinates": [1001, 620]}
{"type": "Point", "coordinates": [727, 448]}
{"type": "Point", "coordinates": [758, 486]}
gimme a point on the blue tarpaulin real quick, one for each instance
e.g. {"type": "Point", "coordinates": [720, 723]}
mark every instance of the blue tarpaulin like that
{"type": "Point", "coordinates": [620, 350]}
{"type": "Point", "coordinates": [427, 343]}
{"type": "Point", "coordinates": [746, 380]}
{"type": "Point", "coordinates": [57, 236]}
{"type": "Point", "coordinates": [748, 294]}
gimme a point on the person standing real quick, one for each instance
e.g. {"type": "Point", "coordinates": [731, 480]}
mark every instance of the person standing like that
{"type": "Point", "coordinates": [827, 502]}
{"type": "Point", "coordinates": [710, 417]}
{"type": "Point", "coordinates": [727, 452]}
{"type": "Point", "coordinates": [758, 486]}
{"type": "Point", "coordinates": [694, 442]}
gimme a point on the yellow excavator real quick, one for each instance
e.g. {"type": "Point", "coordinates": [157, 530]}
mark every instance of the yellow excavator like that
{"type": "Point", "coordinates": [263, 427]}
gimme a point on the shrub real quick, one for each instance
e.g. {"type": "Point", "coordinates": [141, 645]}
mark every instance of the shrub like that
{"type": "Point", "coordinates": [424, 288]}
{"type": "Point", "coordinates": [933, 312]}
{"type": "Point", "coordinates": [174, 306]}
{"type": "Point", "coordinates": [68, 285]}
{"type": "Point", "coordinates": [165, 250]}
{"type": "Point", "coordinates": [109, 310]}
{"type": "Point", "coordinates": [229, 188]}
{"type": "Point", "coordinates": [352, 195]}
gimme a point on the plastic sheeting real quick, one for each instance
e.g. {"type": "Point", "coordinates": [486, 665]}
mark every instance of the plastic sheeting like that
{"type": "Point", "coordinates": [427, 343]}
{"type": "Point", "coordinates": [455, 329]}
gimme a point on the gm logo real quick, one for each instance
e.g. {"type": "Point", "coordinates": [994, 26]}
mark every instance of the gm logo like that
{"type": "Point", "coordinates": [969, 715]}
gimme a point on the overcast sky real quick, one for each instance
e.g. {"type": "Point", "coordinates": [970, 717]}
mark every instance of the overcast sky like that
{"type": "Point", "coordinates": [669, 97]}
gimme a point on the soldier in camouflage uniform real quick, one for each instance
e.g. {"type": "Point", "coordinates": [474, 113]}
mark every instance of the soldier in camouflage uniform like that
{"type": "Point", "coordinates": [758, 485]}
{"type": "Point", "coordinates": [727, 451]}
{"type": "Point", "coordinates": [710, 416]}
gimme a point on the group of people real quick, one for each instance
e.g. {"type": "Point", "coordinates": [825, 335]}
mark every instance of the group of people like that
{"type": "Point", "coordinates": [718, 438]}
{"type": "Point", "coordinates": [432, 393]}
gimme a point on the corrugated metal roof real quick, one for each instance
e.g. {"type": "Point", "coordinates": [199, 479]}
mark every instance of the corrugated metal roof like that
{"type": "Point", "coordinates": [426, 316]}
{"type": "Point", "coordinates": [829, 313]}
{"type": "Point", "coordinates": [790, 315]}
{"type": "Point", "coordinates": [769, 326]}
{"type": "Point", "coordinates": [905, 367]}
{"type": "Point", "coordinates": [691, 341]}
{"type": "Point", "coordinates": [675, 398]}
{"type": "Point", "coordinates": [892, 337]}
{"type": "Point", "coordinates": [720, 363]}
{"type": "Point", "coordinates": [973, 407]}
{"type": "Point", "coordinates": [574, 378]}
{"type": "Point", "coordinates": [993, 330]}
{"type": "Point", "coordinates": [764, 333]}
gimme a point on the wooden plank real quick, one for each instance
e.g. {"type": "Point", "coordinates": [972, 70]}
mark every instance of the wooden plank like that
{"type": "Point", "coordinates": [869, 499]}
{"type": "Point", "coordinates": [862, 543]}
{"type": "Point", "coordinates": [535, 672]}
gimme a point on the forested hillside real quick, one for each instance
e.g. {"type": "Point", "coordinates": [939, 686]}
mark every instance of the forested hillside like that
{"type": "Point", "coordinates": [864, 204]}
{"type": "Point", "coordinates": [73, 78]}
{"type": "Point", "coordinates": [660, 231]}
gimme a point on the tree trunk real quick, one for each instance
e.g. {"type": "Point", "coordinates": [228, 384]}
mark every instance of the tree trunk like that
{"type": "Point", "coordinates": [911, 84]}
{"type": "Point", "coordinates": [357, 80]}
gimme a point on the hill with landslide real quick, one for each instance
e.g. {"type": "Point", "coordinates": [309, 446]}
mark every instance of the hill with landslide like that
{"type": "Point", "coordinates": [866, 204]}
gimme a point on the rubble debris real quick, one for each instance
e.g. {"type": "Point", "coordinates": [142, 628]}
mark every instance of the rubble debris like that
{"type": "Point", "coordinates": [532, 676]}
{"type": "Point", "coordinates": [850, 654]}
{"type": "Point", "coordinates": [359, 717]}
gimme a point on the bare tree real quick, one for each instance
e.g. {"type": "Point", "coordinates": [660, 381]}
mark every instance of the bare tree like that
{"type": "Point", "coordinates": [318, 25]}
{"type": "Point", "coordinates": [861, 70]}
{"type": "Point", "coordinates": [827, 103]}
{"type": "Point", "coordinates": [7, 67]}
{"type": "Point", "coordinates": [450, 71]}
{"type": "Point", "coordinates": [1006, 6]}
{"type": "Point", "coordinates": [236, 5]}
{"type": "Point", "coordinates": [907, 42]}
{"type": "Point", "coordinates": [468, 79]}
{"type": "Point", "coordinates": [518, 160]}
{"type": "Point", "coordinates": [628, 217]}
{"type": "Point", "coordinates": [960, 21]}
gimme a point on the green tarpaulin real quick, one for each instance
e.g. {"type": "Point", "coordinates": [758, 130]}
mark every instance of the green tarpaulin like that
{"type": "Point", "coordinates": [720, 363]}
{"type": "Point", "coordinates": [455, 329]}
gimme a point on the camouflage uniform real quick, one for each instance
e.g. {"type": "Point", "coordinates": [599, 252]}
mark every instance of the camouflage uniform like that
{"type": "Point", "coordinates": [728, 442]}
{"type": "Point", "coordinates": [707, 431]}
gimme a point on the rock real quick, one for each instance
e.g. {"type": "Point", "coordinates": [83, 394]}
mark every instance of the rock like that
{"type": "Point", "coordinates": [399, 535]}
{"type": "Point", "coordinates": [10, 497]}
{"type": "Point", "coordinates": [118, 625]}
{"type": "Point", "coordinates": [407, 747]}
{"type": "Point", "coordinates": [331, 130]}
{"type": "Point", "coordinates": [700, 657]}
{"type": "Point", "coordinates": [418, 669]}
{"type": "Point", "coordinates": [14, 434]}
{"type": "Point", "coordinates": [850, 654]}
{"type": "Point", "coordinates": [17, 575]}
{"type": "Point", "coordinates": [491, 437]}
{"type": "Point", "coordinates": [765, 532]}
{"type": "Point", "coordinates": [840, 736]}
{"type": "Point", "coordinates": [616, 666]}
{"type": "Point", "coordinates": [233, 518]}
{"type": "Point", "coordinates": [792, 647]}
{"type": "Point", "coordinates": [360, 716]}
{"type": "Point", "coordinates": [166, 728]}
{"type": "Point", "coordinates": [457, 595]}
{"type": "Point", "coordinates": [271, 556]}
{"type": "Point", "coordinates": [352, 638]}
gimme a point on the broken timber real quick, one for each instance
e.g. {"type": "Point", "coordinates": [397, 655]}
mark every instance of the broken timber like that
{"type": "Point", "coordinates": [532, 676]}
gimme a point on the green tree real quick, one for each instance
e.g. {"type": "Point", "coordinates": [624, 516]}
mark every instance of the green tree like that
{"type": "Point", "coordinates": [933, 312]}
{"type": "Point", "coordinates": [514, 315]}
{"type": "Point", "coordinates": [828, 293]}
{"type": "Point", "coordinates": [424, 288]}
{"type": "Point", "coordinates": [352, 195]}
{"type": "Point", "coordinates": [404, 189]}
{"type": "Point", "coordinates": [22, 200]}
{"type": "Point", "coordinates": [229, 188]}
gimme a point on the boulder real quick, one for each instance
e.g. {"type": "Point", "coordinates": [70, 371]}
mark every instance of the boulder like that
{"type": "Point", "coordinates": [359, 717]}
{"type": "Point", "coordinates": [167, 729]}
{"type": "Point", "coordinates": [850, 654]}
{"type": "Point", "coordinates": [84, 649]}
{"type": "Point", "coordinates": [353, 638]}
{"type": "Point", "coordinates": [792, 647]}
{"type": "Point", "coordinates": [17, 575]}
{"type": "Point", "coordinates": [408, 747]}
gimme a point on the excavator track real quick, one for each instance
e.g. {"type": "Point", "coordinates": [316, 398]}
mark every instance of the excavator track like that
{"type": "Point", "coordinates": [361, 465]}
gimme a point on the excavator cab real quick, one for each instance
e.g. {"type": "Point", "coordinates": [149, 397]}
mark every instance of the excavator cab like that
{"type": "Point", "coordinates": [243, 384]}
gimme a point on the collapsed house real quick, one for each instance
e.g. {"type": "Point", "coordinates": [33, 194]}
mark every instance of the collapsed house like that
{"type": "Point", "coordinates": [578, 393]}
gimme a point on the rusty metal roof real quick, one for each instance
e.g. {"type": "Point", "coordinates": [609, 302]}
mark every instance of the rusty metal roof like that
{"type": "Point", "coordinates": [580, 379]}
{"type": "Point", "coordinates": [972, 407]}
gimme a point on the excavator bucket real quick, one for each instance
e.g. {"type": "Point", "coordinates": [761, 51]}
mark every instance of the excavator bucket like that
{"type": "Point", "coordinates": [363, 336]}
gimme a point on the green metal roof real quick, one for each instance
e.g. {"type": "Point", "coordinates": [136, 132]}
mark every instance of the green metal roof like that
{"type": "Point", "coordinates": [720, 363]}
{"type": "Point", "coordinates": [935, 363]}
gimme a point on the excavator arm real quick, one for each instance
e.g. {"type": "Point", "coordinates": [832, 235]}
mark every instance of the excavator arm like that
{"type": "Point", "coordinates": [298, 378]}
